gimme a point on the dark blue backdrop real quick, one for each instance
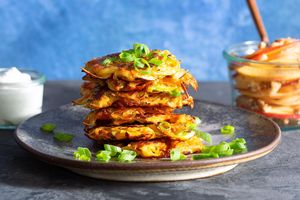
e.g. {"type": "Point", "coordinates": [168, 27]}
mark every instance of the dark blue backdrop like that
{"type": "Point", "coordinates": [56, 37]}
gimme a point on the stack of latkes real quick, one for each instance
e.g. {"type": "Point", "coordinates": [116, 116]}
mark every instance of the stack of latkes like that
{"type": "Point", "coordinates": [132, 96]}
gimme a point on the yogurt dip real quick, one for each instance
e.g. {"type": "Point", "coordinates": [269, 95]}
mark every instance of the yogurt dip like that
{"type": "Point", "coordinates": [21, 95]}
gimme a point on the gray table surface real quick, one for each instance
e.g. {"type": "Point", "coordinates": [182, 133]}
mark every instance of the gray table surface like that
{"type": "Point", "coordinates": [275, 176]}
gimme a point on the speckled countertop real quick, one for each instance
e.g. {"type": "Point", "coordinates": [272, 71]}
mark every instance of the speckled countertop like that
{"type": "Point", "coordinates": [275, 176]}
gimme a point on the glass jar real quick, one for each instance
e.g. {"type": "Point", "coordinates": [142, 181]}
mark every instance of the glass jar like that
{"type": "Point", "coordinates": [268, 88]}
{"type": "Point", "coordinates": [20, 101]}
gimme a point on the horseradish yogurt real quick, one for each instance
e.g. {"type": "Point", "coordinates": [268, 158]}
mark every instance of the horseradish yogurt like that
{"type": "Point", "coordinates": [21, 95]}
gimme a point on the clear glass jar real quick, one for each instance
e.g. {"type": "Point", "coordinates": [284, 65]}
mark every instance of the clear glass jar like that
{"type": "Point", "coordinates": [268, 88]}
{"type": "Point", "coordinates": [20, 101]}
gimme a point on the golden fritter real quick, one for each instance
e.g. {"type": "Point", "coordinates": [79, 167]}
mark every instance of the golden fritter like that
{"type": "Point", "coordinates": [161, 148]}
{"type": "Point", "coordinates": [101, 97]}
{"type": "Point", "coordinates": [178, 130]}
{"type": "Point", "coordinates": [167, 84]}
{"type": "Point", "coordinates": [127, 71]}
{"type": "Point", "coordinates": [125, 115]}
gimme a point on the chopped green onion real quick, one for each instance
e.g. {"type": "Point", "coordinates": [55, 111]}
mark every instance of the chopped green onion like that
{"type": "Point", "coordinates": [127, 156]}
{"type": "Point", "coordinates": [205, 155]}
{"type": "Point", "coordinates": [197, 120]}
{"type": "Point", "coordinates": [239, 140]}
{"type": "Point", "coordinates": [214, 155]}
{"type": "Point", "coordinates": [138, 63]}
{"type": "Point", "coordinates": [146, 72]}
{"type": "Point", "coordinates": [185, 134]}
{"type": "Point", "coordinates": [48, 127]}
{"type": "Point", "coordinates": [114, 150]}
{"type": "Point", "coordinates": [63, 137]}
{"type": "Point", "coordinates": [103, 156]}
{"type": "Point", "coordinates": [155, 61]}
{"type": "Point", "coordinates": [205, 136]}
{"type": "Point", "coordinates": [227, 130]}
{"type": "Point", "coordinates": [107, 61]}
{"type": "Point", "coordinates": [83, 153]}
{"type": "Point", "coordinates": [126, 56]}
{"type": "Point", "coordinates": [175, 93]}
{"type": "Point", "coordinates": [141, 50]}
{"type": "Point", "coordinates": [175, 155]}
{"type": "Point", "coordinates": [192, 126]}
{"type": "Point", "coordinates": [228, 152]}
{"type": "Point", "coordinates": [221, 147]}
{"type": "Point", "coordinates": [238, 151]}
{"type": "Point", "coordinates": [164, 126]}
{"type": "Point", "coordinates": [238, 145]}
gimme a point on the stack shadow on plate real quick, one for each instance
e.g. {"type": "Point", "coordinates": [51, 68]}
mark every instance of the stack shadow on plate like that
{"type": "Point", "coordinates": [132, 102]}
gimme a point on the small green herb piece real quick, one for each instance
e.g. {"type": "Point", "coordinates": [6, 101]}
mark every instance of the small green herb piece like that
{"type": "Point", "coordinates": [227, 130]}
{"type": "Point", "coordinates": [185, 134]}
{"type": "Point", "coordinates": [164, 126]}
{"type": "Point", "coordinates": [192, 126]}
{"type": "Point", "coordinates": [238, 145]}
{"type": "Point", "coordinates": [138, 63]}
{"type": "Point", "coordinates": [175, 155]}
{"type": "Point", "coordinates": [127, 156]}
{"type": "Point", "coordinates": [205, 136]}
{"type": "Point", "coordinates": [223, 149]}
{"type": "Point", "coordinates": [197, 120]}
{"type": "Point", "coordinates": [155, 61]}
{"type": "Point", "coordinates": [205, 155]}
{"type": "Point", "coordinates": [140, 50]}
{"type": "Point", "coordinates": [103, 156]}
{"type": "Point", "coordinates": [228, 152]}
{"type": "Point", "coordinates": [126, 56]}
{"type": "Point", "coordinates": [83, 153]}
{"type": "Point", "coordinates": [48, 127]}
{"type": "Point", "coordinates": [114, 150]}
{"type": "Point", "coordinates": [108, 61]}
{"type": "Point", "coordinates": [175, 93]}
{"type": "Point", "coordinates": [146, 71]}
{"type": "Point", "coordinates": [63, 137]}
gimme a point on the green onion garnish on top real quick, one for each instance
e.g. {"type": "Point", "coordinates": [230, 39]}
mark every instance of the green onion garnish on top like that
{"type": "Point", "coordinates": [83, 153]}
{"type": "Point", "coordinates": [140, 63]}
{"type": "Point", "coordinates": [106, 61]}
{"type": "Point", "coordinates": [109, 60]}
{"type": "Point", "coordinates": [48, 127]}
{"type": "Point", "coordinates": [126, 56]}
{"type": "Point", "coordinates": [227, 130]}
{"type": "Point", "coordinates": [140, 50]}
{"type": "Point", "coordinates": [155, 61]}
{"type": "Point", "coordinates": [139, 55]}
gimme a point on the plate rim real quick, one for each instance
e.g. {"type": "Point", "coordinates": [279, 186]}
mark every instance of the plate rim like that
{"type": "Point", "coordinates": [156, 164]}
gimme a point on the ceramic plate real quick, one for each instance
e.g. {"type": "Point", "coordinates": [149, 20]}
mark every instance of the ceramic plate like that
{"type": "Point", "coordinates": [262, 136]}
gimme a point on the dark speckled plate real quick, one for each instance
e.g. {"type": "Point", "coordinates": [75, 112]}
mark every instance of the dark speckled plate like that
{"type": "Point", "coordinates": [261, 134]}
